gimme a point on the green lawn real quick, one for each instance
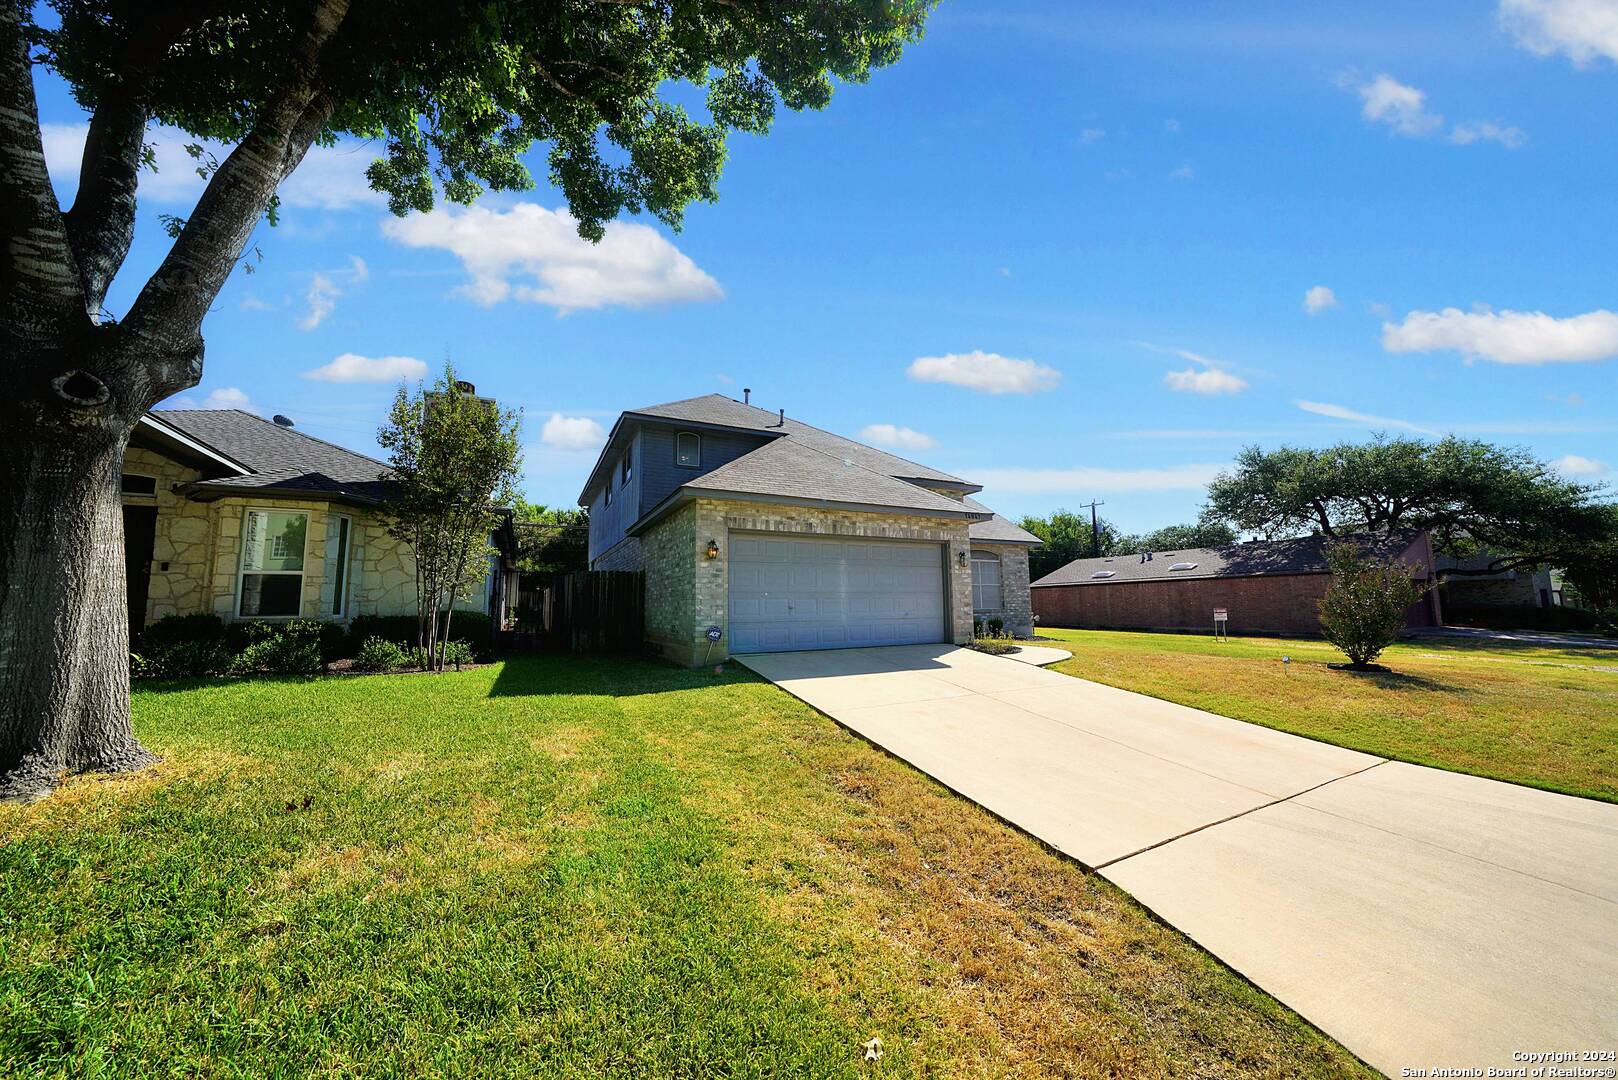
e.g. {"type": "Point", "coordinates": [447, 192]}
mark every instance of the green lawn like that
{"type": "Point", "coordinates": [559, 867]}
{"type": "Point", "coordinates": [1545, 716]}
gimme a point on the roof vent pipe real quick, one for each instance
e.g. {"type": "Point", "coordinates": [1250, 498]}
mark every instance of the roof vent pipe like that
{"type": "Point", "coordinates": [747, 395]}
{"type": "Point", "coordinates": [282, 421]}
{"type": "Point", "coordinates": [783, 421]}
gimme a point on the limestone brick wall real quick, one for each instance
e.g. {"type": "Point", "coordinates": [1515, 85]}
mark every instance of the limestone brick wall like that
{"type": "Point", "coordinates": [686, 592]}
{"type": "Point", "coordinates": [669, 554]}
{"type": "Point", "coordinates": [1016, 606]}
{"type": "Point", "coordinates": [183, 535]}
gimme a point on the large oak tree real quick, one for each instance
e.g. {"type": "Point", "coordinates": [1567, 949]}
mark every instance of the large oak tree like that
{"type": "Point", "coordinates": [454, 92]}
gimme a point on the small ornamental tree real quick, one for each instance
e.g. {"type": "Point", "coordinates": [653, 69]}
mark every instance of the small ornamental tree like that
{"type": "Point", "coordinates": [454, 457]}
{"type": "Point", "coordinates": [1364, 607]}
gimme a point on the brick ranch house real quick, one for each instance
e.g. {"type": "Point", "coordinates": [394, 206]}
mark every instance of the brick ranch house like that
{"type": "Point", "coordinates": [785, 536]}
{"type": "Point", "coordinates": [1268, 587]}
{"type": "Point", "coordinates": [246, 518]}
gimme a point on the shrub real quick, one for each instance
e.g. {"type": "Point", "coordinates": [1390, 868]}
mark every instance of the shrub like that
{"type": "Point", "coordinates": [474, 627]}
{"type": "Point", "coordinates": [291, 648]}
{"type": "Point", "coordinates": [1606, 623]}
{"type": "Point", "coordinates": [1365, 604]}
{"type": "Point", "coordinates": [977, 628]}
{"type": "Point", "coordinates": [993, 646]}
{"type": "Point", "coordinates": [457, 653]}
{"type": "Point", "coordinates": [181, 660]}
{"type": "Point", "coordinates": [379, 654]}
{"type": "Point", "coordinates": [997, 627]}
{"type": "Point", "coordinates": [178, 630]}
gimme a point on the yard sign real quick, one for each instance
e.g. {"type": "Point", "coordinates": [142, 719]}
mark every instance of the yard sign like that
{"type": "Point", "coordinates": [1221, 631]}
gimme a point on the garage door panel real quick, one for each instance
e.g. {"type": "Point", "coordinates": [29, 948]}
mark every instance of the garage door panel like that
{"type": "Point", "coordinates": [825, 593]}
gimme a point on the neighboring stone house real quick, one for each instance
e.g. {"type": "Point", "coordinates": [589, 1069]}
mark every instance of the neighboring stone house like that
{"type": "Point", "coordinates": [784, 536]}
{"type": "Point", "coordinates": [1465, 588]}
{"type": "Point", "coordinates": [1265, 587]}
{"type": "Point", "coordinates": [247, 518]}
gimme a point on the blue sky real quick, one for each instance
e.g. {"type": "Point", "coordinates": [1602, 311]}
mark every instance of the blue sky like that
{"type": "Point", "coordinates": [1067, 254]}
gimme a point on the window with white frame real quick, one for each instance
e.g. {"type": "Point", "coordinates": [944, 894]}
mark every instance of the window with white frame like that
{"type": "Point", "coordinates": [339, 555]}
{"type": "Point", "coordinates": [986, 592]}
{"type": "Point", "coordinates": [273, 543]}
{"type": "Point", "coordinates": [688, 450]}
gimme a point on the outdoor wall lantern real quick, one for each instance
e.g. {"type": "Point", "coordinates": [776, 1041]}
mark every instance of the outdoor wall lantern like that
{"type": "Point", "coordinates": [960, 559]}
{"type": "Point", "coordinates": [713, 549]}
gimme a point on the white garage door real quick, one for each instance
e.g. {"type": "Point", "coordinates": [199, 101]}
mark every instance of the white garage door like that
{"type": "Point", "coordinates": [829, 593]}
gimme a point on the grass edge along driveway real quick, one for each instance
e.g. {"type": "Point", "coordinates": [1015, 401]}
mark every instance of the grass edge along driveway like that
{"type": "Point", "coordinates": [1544, 716]}
{"type": "Point", "coordinates": [564, 867]}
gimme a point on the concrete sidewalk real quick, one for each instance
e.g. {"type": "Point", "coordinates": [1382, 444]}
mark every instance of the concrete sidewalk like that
{"type": "Point", "coordinates": [1423, 918]}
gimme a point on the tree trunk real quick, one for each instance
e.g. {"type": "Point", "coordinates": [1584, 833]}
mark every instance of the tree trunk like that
{"type": "Point", "coordinates": [64, 630]}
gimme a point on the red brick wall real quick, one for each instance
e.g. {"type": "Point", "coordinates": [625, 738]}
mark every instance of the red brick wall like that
{"type": "Point", "coordinates": [1263, 605]}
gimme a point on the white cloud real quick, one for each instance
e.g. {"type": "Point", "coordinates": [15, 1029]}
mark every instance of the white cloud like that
{"type": "Point", "coordinates": [1092, 135]}
{"type": "Point", "coordinates": [329, 177]}
{"type": "Point", "coordinates": [572, 433]}
{"type": "Point", "coordinates": [1085, 479]}
{"type": "Point", "coordinates": [227, 397]}
{"type": "Point", "coordinates": [1583, 29]}
{"type": "Point", "coordinates": [354, 368]}
{"type": "Point", "coordinates": [253, 303]}
{"type": "Point", "coordinates": [1507, 337]}
{"type": "Point", "coordinates": [1577, 466]}
{"type": "Point", "coordinates": [1510, 137]}
{"type": "Point", "coordinates": [1184, 172]}
{"type": "Point", "coordinates": [1402, 108]}
{"type": "Point", "coordinates": [988, 373]}
{"type": "Point", "coordinates": [1318, 298]}
{"type": "Point", "coordinates": [1338, 412]}
{"type": "Point", "coordinates": [1207, 381]}
{"type": "Point", "coordinates": [633, 265]}
{"type": "Point", "coordinates": [323, 291]}
{"type": "Point", "coordinates": [902, 438]}
{"type": "Point", "coordinates": [322, 299]}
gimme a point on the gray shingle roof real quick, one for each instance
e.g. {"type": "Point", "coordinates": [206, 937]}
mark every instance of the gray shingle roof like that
{"type": "Point", "coordinates": [728, 412]}
{"type": "Point", "coordinates": [282, 459]}
{"type": "Point", "coordinates": [997, 530]}
{"type": "Point", "coordinates": [1304, 555]}
{"type": "Point", "coordinates": [795, 469]}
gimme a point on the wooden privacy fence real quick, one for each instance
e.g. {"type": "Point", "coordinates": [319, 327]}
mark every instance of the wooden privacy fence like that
{"type": "Point", "coordinates": [582, 611]}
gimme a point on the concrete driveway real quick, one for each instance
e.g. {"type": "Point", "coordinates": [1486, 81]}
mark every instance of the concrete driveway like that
{"type": "Point", "coordinates": [1422, 918]}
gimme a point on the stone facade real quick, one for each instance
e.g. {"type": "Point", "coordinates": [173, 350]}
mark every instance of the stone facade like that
{"type": "Point", "coordinates": [687, 592]}
{"type": "Point", "coordinates": [1016, 607]}
{"type": "Point", "coordinates": [196, 554]}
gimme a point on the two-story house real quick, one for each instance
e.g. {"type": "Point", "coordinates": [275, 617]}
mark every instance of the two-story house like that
{"type": "Point", "coordinates": [760, 533]}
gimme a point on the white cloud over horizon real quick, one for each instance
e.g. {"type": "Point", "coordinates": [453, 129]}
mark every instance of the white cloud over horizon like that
{"type": "Point", "coordinates": [1506, 337]}
{"type": "Point", "coordinates": [572, 433]}
{"type": "Point", "coordinates": [226, 397]}
{"type": "Point", "coordinates": [1583, 30]}
{"type": "Point", "coordinates": [1084, 479]}
{"type": "Point", "coordinates": [633, 266]}
{"type": "Point", "coordinates": [1579, 467]}
{"type": "Point", "coordinates": [354, 368]}
{"type": "Point", "coordinates": [323, 291]}
{"type": "Point", "coordinates": [895, 437]}
{"type": "Point", "coordinates": [985, 372]}
{"type": "Point", "coordinates": [1208, 381]}
{"type": "Point", "coordinates": [1340, 412]}
{"type": "Point", "coordinates": [1318, 298]}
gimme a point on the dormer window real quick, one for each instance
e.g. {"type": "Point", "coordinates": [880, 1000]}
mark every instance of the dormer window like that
{"type": "Point", "coordinates": [688, 450]}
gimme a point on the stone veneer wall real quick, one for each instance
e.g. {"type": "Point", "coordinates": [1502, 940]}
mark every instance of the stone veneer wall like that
{"type": "Point", "coordinates": [201, 542]}
{"type": "Point", "coordinates": [686, 592]}
{"type": "Point", "coordinates": [1016, 606]}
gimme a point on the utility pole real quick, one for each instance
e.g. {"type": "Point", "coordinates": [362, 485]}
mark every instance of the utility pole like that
{"type": "Point", "coordinates": [1095, 529]}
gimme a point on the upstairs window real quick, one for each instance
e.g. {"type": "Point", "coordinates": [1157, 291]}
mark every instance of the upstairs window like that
{"type": "Point", "coordinates": [608, 496]}
{"type": "Point", "coordinates": [688, 450]}
{"type": "Point", "coordinates": [627, 470]}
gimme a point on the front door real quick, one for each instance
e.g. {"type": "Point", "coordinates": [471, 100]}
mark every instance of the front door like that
{"type": "Point", "coordinates": [140, 533]}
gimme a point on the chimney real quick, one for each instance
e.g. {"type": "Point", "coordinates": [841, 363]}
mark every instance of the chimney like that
{"type": "Point", "coordinates": [281, 421]}
{"type": "Point", "coordinates": [747, 395]}
{"type": "Point", "coordinates": [466, 388]}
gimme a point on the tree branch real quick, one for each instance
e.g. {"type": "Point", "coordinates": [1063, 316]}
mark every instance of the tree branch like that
{"type": "Point", "coordinates": [101, 224]}
{"type": "Point", "coordinates": [41, 296]}
{"type": "Point", "coordinates": [167, 315]}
